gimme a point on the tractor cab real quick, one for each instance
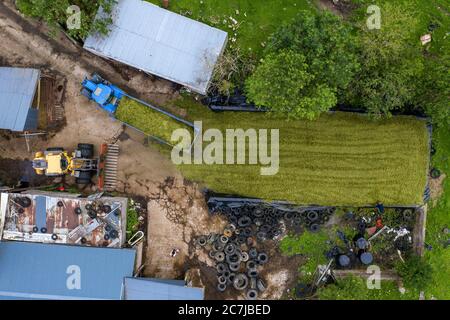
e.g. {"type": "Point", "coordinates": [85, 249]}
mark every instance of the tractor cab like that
{"type": "Point", "coordinates": [105, 94]}
{"type": "Point", "coordinates": [56, 162]}
{"type": "Point", "coordinates": [102, 94]}
{"type": "Point", "coordinates": [52, 162]}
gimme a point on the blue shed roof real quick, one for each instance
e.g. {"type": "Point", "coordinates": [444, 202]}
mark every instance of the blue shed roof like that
{"type": "Point", "coordinates": [17, 90]}
{"type": "Point", "coordinates": [158, 289]}
{"type": "Point", "coordinates": [47, 271]}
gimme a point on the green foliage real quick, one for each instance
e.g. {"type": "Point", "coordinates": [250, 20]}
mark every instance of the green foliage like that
{"type": "Point", "coordinates": [327, 44]}
{"type": "Point", "coordinates": [434, 92]}
{"type": "Point", "coordinates": [283, 83]}
{"type": "Point", "coordinates": [54, 13]}
{"type": "Point", "coordinates": [415, 272]}
{"type": "Point", "coordinates": [132, 219]}
{"type": "Point", "coordinates": [353, 288]}
{"type": "Point", "coordinates": [391, 61]}
{"type": "Point", "coordinates": [311, 245]}
{"type": "Point", "coordinates": [438, 218]}
{"type": "Point", "coordinates": [309, 61]}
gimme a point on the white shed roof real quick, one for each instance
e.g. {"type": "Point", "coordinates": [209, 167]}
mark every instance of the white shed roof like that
{"type": "Point", "coordinates": [162, 43]}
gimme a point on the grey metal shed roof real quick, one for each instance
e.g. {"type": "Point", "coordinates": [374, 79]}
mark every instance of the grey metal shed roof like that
{"type": "Point", "coordinates": [17, 89]}
{"type": "Point", "coordinates": [161, 42]}
{"type": "Point", "coordinates": [43, 271]}
{"type": "Point", "coordinates": [159, 289]}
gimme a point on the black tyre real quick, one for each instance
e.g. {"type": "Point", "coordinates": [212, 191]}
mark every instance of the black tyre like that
{"type": "Point", "coordinates": [87, 150]}
{"type": "Point", "coordinates": [43, 230]}
{"type": "Point", "coordinates": [84, 177]}
{"type": "Point", "coordinates": [435, 173]}
{"type": "Point", "coordinates": [54, 237]}
{"type": "Point", "coordinates": [113, 234]}
{"type": "Point", "coordinates": [92, 214]}
{"type": "Point", "coordinates": [312, 216]}
{"type": "Point", "coordinates": [25, 202]}
{"type": "Point", "coordinates": [251, 294]}
{"type": "Point", "coordinates": [78, 210]}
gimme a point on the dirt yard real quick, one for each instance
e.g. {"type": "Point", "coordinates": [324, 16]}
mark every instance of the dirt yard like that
{"type": "Point", "coordinates": [176, 209]}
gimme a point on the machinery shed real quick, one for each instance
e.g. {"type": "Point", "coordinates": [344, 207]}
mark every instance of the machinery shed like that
{"type": "Point", "coordinates": [160, 289]}
{"type": "Point", "coordinates": [59, 272]}
{"type": "Point", "coordinates": [18, 87]}
{"type": "Point", "coordinates": [162, 43]}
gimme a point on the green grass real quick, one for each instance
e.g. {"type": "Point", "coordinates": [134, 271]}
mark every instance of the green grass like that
{"type": "Point", "coordinates": [340, 159]}
{"type": "Point", "coordinates": [146, 119]}
{"type": "Point", "coordinates": [312, 245]}
{"type": "Point", "coordinates": [256, 19]}
{"type": "Point", "coordinates": [439, 218]}
{"type": "Point", "coordinates": [132, 219]}
{"type": "Point", "coordinates": [352, 288]}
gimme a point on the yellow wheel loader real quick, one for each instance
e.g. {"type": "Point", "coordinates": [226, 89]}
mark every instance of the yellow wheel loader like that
{"type": "Point", "coordinates": [56, 162]}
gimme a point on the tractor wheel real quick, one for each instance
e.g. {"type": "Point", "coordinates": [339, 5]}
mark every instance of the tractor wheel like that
{"type": "Point", "coordinates": [55, 149]}
{"type": "Point", "coordinates": [87, 150]}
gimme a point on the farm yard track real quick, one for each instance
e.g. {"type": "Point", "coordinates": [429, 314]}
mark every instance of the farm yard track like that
{"type": "Point", "coordinates": [141, 169]}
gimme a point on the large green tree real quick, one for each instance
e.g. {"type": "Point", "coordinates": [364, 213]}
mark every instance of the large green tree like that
{"type": "Point", "coordinates": [434, 92]}
{"type": "Point", "coordinates": [326, 42]}
{"type": "Point", "coordinates": [391, 62]}
{"type": "Point", "coordinates": [284, 83]}
{"type": "Point", "coordinates": [310, 61]}
{"type": "Point", "coordinates": [55, 13]}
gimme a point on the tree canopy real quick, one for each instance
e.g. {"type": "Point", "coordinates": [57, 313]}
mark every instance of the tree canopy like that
{"type": "Point", "coordinates": [309, 62]}
{"type": "Point", "coordinates": [283, 81]}
{"type": "Point", "coordinates": [55, 12]}
{"type": "Point", "coordinates": [391, 62]}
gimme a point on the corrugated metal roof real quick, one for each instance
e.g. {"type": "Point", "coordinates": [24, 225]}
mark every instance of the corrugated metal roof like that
{"type": "Point", "coordinates": [17, 89]}
{"type": "Point", "coordinates": [43, 271]}
{"type": "Point", "coordinates": [161, 42]}
{"type": "Point", "coordinates": [158, 289]}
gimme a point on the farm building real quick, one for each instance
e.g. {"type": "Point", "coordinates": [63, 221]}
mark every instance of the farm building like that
{"type": "Point", "coordinates": [160, 289]}
{"type": "Point", "coordinates": [63, 218]}
{"type": "Point", "coordinates": [162, 43]}
{"type": "Point", "coordinates": [59, 272]}
{"type": "Point", "coordinates": [19, 98]}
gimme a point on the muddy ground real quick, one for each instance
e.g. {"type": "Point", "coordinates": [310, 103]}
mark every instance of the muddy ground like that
{"type": "Point", "coordinates": [176, 208]}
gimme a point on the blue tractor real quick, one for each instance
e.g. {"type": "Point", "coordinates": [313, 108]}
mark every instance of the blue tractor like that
{"type": "Point", "coordinates": [104, 93]}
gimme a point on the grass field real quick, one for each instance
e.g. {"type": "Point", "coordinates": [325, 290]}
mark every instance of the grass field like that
{"type": "Point", "coordinates": [340, 159]}
{"type": "Point", "coordinates": [146, 119]}
{"type": "Point", "coordinates": [438, 219]}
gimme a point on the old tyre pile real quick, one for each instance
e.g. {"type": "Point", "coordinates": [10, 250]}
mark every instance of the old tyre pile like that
{"type": "Point", "coordinates": [237, 262]}
{"type": "Point", "coordinates": [264, 220]}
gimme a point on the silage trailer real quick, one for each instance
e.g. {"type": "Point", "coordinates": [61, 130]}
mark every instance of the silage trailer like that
{"type": "Point", "coordinates": [108, 97]}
